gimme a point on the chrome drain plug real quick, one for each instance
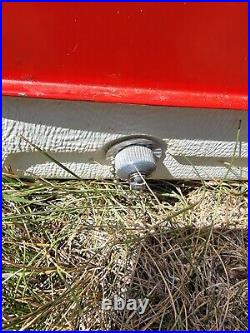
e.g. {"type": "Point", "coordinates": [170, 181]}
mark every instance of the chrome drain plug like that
{"type": "Point", "coordinates": [133, 163]}
{"type": "Point", "coordinates": [134, 160]}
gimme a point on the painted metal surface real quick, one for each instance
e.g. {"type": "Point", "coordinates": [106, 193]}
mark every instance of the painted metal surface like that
{"type": "Point", "coordinates": [175, 54]}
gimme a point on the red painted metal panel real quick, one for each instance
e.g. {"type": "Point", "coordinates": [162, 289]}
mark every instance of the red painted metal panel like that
{"type": "Point", "coordinates": [178, 54]}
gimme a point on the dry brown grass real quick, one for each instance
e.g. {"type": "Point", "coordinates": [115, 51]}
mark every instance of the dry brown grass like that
{"type": "Point", "coordinates": [67, 245]}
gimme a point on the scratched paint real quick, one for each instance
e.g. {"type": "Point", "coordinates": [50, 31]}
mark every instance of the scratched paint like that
{"type": "Point", "coordinates": [174, 54]}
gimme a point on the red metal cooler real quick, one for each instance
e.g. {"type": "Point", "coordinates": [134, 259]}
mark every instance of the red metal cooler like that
{"type": "Point", "coordinates": [82, 81]}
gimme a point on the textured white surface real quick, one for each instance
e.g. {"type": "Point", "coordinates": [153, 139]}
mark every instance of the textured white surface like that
{"type": "Point", "coordinates": [199, 142]}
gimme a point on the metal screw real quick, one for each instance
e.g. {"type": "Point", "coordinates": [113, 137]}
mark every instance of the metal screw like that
{"type": "Point", "coordinates": [137, 181]}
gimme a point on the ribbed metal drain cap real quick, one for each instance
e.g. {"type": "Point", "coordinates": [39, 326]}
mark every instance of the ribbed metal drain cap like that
{"type": "Point", "coordinates": [133, 162]}
{"type": "Point", "coordinates": [134, 158]}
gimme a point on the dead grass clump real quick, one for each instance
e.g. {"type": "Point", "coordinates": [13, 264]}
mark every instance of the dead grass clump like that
{"type": "Point", "coordinates": [69, 245]}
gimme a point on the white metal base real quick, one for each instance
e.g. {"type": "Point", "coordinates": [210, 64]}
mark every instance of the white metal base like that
{"type": "Point", "coordinates": [199, 142]}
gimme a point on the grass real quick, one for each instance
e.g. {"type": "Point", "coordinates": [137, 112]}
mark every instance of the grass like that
{"type": "Point", "coordinates": [69, 244]}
